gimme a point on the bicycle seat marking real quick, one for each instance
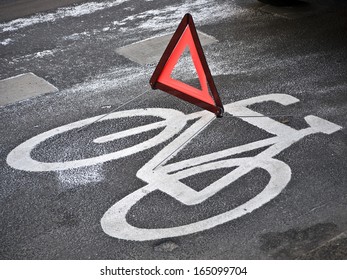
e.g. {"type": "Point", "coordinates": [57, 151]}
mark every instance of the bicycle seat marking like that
{"type": "Point", "coordinates": [166, 177]}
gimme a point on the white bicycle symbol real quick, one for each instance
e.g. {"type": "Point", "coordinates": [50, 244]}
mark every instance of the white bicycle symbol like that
{"type": "Point", "coordinates": [166, 177]}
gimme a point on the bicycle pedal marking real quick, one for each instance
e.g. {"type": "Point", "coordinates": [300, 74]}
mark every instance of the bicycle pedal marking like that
{"type": "Point", "coordinates": [167, 177]}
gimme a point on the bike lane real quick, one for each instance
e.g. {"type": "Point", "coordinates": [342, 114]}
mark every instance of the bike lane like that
{"type": "Point", "coordinates": [57, 212]}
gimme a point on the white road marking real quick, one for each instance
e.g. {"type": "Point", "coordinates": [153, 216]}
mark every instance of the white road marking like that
{"type": "Point", "coordinates": [166, 178]}
{"type": "Point", "coordinates": [130, 132]}
{"type": "Point", "coordinates": [114, 221]}
{"type": "Point", "coordinates": [20, 158]}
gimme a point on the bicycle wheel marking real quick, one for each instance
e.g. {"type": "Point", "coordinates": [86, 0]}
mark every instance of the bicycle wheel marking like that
{"type": "Point", "coordinates": [20, 157]}
{"type": "Point", "coordinates": [166, 177]}
{"type": "Point", "coordinates": [114, 221]}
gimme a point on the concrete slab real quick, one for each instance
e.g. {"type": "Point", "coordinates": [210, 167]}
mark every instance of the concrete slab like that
{"type": "Point", "coordinates": [22, 87]}
{"type": "Point", "coordinates": [150, 50]}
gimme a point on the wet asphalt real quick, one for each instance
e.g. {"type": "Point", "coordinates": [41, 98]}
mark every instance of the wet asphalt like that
{"type": "Point", "coordinates": [299, 51]}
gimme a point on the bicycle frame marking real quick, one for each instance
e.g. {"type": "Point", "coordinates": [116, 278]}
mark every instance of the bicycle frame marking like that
{"type": "Point", "coordinates": [166, 177]}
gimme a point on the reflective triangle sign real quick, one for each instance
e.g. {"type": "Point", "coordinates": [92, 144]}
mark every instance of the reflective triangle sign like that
{"type": "Point", "coordinates": [187, 37]}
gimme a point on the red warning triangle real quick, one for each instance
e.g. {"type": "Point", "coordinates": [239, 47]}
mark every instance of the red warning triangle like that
{"type": "Point", "coordinates": [186, 36]}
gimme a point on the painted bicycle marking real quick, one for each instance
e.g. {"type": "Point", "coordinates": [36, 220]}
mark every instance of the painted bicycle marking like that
{"type": "Point", "coordinates": [166, 177]}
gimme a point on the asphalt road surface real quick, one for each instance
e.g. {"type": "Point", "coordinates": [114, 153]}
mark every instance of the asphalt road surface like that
{"type": "Point", "coordinates": [106, 168]}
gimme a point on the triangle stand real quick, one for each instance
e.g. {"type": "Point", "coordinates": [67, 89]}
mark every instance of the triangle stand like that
{"type": "Point", "coordinates": [186, 35]}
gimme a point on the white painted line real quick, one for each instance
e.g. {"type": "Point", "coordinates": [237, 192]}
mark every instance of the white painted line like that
{"type": "Point", "coordinates": [22, 87]}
